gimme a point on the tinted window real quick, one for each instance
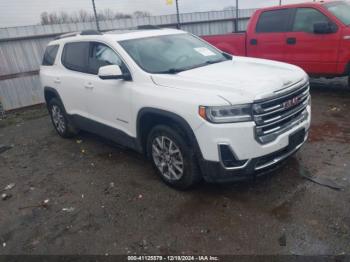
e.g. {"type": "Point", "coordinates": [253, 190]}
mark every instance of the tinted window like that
{"type": "Point", "coordinates": [102, 55]}
{"type": "Point", "coordinates": [273, 21]}
{"type": "Point", "coordinates": [75, 56]}
{"type": "Point", "coordinates": [50, 55]}
{"type": "Point", "coordinates": [305, 18]}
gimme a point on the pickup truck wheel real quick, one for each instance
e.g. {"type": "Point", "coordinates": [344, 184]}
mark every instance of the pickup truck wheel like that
{"type": "Point", "coordinates": [60, 120]}
{"type": "Point", "coordinates": [172, 158]}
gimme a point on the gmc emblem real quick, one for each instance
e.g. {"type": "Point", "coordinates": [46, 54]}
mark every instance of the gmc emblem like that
{"type": "Point", "coordinates": [291, 103]}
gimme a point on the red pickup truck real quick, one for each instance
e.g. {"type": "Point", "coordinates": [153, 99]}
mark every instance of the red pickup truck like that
{"type": "Point", "coordinates": [314, 36]}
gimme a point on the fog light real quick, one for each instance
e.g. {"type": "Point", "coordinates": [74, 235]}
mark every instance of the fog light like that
{"type": "Point", "coordinates": [228, 159]}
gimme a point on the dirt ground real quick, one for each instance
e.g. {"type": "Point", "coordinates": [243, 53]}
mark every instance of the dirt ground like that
{"type": "Point", "coordinates": [107, 200]}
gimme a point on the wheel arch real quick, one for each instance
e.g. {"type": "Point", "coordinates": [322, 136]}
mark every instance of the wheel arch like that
{"type": "Point", "coordinates": [149, 117]}
{"type": "Point", "coordinates": [50, 93]}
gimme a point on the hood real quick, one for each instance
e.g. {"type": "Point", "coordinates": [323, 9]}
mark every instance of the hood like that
{"type": "Point", "coordinates": [241, 79]}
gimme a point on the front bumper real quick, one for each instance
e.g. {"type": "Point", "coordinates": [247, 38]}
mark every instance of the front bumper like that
{"type": "Point", "coordinates": [216, 172]}
{"type": "Point", "coordinates": [241, 139]}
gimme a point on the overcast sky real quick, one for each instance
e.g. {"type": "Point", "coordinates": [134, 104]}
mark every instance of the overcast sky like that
{"type": "Point", "coordinates": [27, 12]}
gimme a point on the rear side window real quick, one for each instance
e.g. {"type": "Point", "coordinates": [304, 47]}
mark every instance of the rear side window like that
{"type": "Point", "coordinates": [274, 21]}
{"type": "Point", "coordinates": [50, 55]}
{"type": "Point", "coordinates": [75, 56]}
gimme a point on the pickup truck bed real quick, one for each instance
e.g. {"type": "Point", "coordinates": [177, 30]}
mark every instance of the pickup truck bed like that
{"type": "Point", "coordinates": [231, 43]}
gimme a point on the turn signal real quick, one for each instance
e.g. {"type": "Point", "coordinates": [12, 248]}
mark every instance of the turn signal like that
{"type": "Point", "coordinates": [202, 112]}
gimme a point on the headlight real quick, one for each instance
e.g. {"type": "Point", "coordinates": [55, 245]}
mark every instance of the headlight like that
{"type": "Point", "coordinates": [226, 114]}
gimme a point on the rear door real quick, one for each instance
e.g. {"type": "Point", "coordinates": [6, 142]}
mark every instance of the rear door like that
{"type": "Point", "coordinates": [315, 53]}
{"type": "Point", "coordinates": [71, 77]}
{"type": "Point", "coordinates": [268, 40]}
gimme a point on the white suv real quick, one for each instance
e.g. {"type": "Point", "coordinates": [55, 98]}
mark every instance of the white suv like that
{"type": "Point", "coordinates": [194, 111]}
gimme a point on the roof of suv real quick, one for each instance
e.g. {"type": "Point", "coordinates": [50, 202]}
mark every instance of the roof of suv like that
{"type": "Point", "coordinates": [120, 35]}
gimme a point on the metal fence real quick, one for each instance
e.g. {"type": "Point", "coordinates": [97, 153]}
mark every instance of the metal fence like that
{"type": "Point", "coordinates": [22, 48]}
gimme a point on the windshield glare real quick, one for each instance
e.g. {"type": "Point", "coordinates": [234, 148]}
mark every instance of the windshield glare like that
{"type": "Point", "coordinates": [341, 10]}
{"type": "Point", "coordinates": [171, 53]}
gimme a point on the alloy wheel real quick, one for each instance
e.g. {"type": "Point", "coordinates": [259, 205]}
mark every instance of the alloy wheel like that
{"type": "Point", "coordinates": [168, 158]}
{"type": "Point", "coordinates": [58, 119]}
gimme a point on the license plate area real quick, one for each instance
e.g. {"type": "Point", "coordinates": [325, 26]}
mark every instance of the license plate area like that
{"type": "Point", "coordinates": [296, 138]}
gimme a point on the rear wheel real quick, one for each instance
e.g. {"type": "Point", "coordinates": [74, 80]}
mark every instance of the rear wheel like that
{"type": "Point", "coordinates": [60, 120]}
{"type": "Point", "coordinates": [172, 158]}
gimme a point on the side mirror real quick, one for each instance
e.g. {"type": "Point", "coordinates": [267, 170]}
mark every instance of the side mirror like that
{"type": "Point", "coordinates": [112, 72]}
{"type": "Point", "coordinates": [325, 28]}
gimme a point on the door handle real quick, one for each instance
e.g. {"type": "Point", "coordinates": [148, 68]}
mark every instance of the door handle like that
{"type": "Point", "coordinates": [254, 41]}
{"type": "Point", "coordinates": [89, 86]}
{"type": "Point", "coordinates": [291, 40]}
{"type": "Point", "coordinates": [57, 81]}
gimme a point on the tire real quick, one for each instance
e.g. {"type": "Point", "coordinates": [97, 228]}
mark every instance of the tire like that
{"type": "Point", "coordinates": [173, 159]}
{"type": "Point", "coordinates": [60, 119]}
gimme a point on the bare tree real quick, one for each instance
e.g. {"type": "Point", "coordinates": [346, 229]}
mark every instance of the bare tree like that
{"type": "Point", "coordinates": [141, 14]}
{"type": "Point", "coordinates": [44, 18]}
{"type": "Point", "coordinates": [229, 8]}
{"type": "Point", "coordinates": [64, 18]}
{"type": "Point", "coordinates": [53, 18]}
{"type": "Point", "coordinates": [84, 16]}
{"type": "Point", "coordinates": [107, 14]}
{"type": "Point", "coordinates": [121, 16]}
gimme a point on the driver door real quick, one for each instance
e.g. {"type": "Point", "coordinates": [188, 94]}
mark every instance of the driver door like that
{"type": "Point", "coordinates": [108, 101]}
{"type": "Point", "coordinates": [315, 53]}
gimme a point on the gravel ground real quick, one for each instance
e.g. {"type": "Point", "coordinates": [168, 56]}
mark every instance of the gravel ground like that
{"type": "Point", "coordinates": [101, 199]}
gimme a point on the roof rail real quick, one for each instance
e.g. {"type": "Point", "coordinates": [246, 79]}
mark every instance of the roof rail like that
{"type": "Point", "coordinates": [148, 27]}
{"type": "Point", "coordinates": [84, 32]}
{"type": "Point", "coordinates": [66, 35]}
{"type": "Point", "coordinates": [90, 32]}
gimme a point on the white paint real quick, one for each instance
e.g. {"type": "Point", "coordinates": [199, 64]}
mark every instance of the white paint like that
{"type": "Point", "coordinates": [222, 84]}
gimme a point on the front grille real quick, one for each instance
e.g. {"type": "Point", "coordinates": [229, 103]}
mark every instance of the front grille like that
{"type": "Point", "coordinates": [279, 114]}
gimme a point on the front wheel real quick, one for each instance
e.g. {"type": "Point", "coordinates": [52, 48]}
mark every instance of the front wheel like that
{"type": "Point", "coordinates": [172, 158]}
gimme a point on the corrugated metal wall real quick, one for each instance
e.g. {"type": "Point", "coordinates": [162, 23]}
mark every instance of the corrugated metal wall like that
{"type": "Point", "coordinates": [22, 48]}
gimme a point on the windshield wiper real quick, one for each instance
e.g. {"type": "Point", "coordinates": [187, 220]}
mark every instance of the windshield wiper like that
{"type": "Point", "coordinates": [171, 71]}
{"type": "Point", "coordinates": [209, 62]}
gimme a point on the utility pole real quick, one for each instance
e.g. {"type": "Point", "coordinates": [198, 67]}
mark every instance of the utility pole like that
{"type": "Point", "coordinates": [178, 15]}
{"type": "Point", "coordinates": [280, 2]}
{"type": "Point", "coordinates": [95, 13]}
{"type": "Point", "coordinates": [237, 14]}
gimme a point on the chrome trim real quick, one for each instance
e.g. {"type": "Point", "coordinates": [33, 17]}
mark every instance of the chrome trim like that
{"type": "Point", "coordinates": [269, 113]}
{"type": "Point", "coordinates": [235, 156]}
{"type": "Point", "coordinates": [284, 91]}
{"type": "Point", "coordinates": [280, 158]}
{"type": "Point", "coordinates": [284, 116]}
{"type": "Point", "coordinates": [304, 116]}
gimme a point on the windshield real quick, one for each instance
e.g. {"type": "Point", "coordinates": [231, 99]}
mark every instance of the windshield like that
{"type": "Point", "coordinates": [171, 53]}
{"type": "Point", "coordinates": [341, 10]}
